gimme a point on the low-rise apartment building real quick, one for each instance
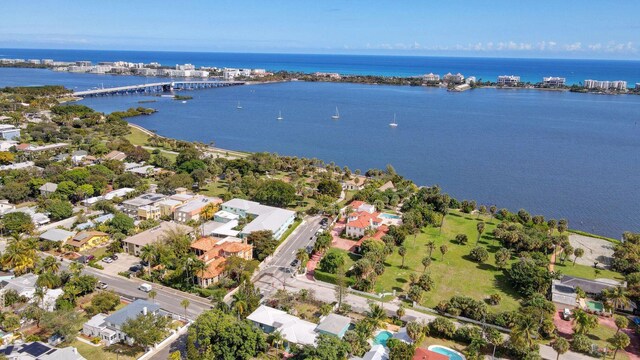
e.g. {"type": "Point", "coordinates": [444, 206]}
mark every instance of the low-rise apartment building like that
{"type": "Point", "coordinates": [133, 244]}
{"type": "Point", "coordinates": [264, 217]}
{"type": "Point", "coordinates": [508, 80]}
{"type": "Point", "coordinates": [192, 209]}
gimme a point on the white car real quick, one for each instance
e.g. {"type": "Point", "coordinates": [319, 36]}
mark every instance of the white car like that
{"type": "Point", "coordinates": [108, 260]}
{"type": "Point", "coordinates": [101, 285]}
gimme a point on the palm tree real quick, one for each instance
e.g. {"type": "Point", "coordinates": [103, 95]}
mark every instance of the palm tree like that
{"type": "Point", "coordinates": [376, 314]}
{"type": "Point", "coordinates": [302, 256]}
{"type": "Point", "coordinates": [617, 296]}
{"type": "Point", "coordinates": [39, 294]}
{"type": "Point", "coordinates": [480, 228]}
{"type": "Point", "coordinates": [276, 340]}
{"type": "Point", "coordinates": [494, 337]}
{"type": "Point", "coordinates": [619, 341]}
{"type": "Point", "coordinates": [239, 304]}
{"type": "Point", "coordinates": [20, 255]}
{"type": "Point", "coordinates": [443, 250]}
{"type": "Point", "coordinates": [152, 295]}
{"type": "Point", "coordinates": [583, 322]}
{"type": "Point", "coordinates": [426, 262]}
{"type": "Point", "coordinates": [198, 267]}
{"type": "Point", "coordinates": [415, 331]}
{"type": "Point", "coordinates": [621, 322]}
{"type": "Point", "coordinates": [148, 254]}
{"type": "Point", "coordinates": [525, 331]}
{"type": "Point", "coordinates": [561, 346]}
{"type": "Point", "coordinates": [49, 263]}
{"type": "Point", "coordinates": [185, 304]}
{"type": "Point", "coordinates": [402, 251]}
{"type": "Point", "coordinates": [76, 268]}
{"type": "Point", "coordinates": [415, 231]}
{"type": "Point", "coordinates": [431, 245]}
{"type": "Point", "coordinates": [578, 252]}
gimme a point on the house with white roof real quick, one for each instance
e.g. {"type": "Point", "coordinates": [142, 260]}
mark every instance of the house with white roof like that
{"type": "Point", "coordinates": [39, 351]}
{"type": "Point", "coordinates": [293, 329]}
{"type": "Point", "coordinates": [9, 132]}
{"type": "Point", "coordinates": [264, 217]}
{"type": "Point", "coordinates": [48, 189]}
{"type": "Point", "coordinates": [57, 235]}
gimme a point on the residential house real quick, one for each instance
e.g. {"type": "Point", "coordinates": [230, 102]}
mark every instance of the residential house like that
{"type": "Point", "coordinates": [18, 166]}
{"type": "Point", "coordinates": [508, 80]}
{"type": "Point", "coordinates": [9, 132]}
{"type": "Point", "coordinates": [77, 157]}
{"type": "Point", "coordinates": [133, 244]}
{"type": "Point", "coordinates": [39, 351]}
{"type": "Point", "coordinates": [24, 285]}
{"type": "Point", "coordinates": [7, 145]}
{"type": "Point", "coordinates": [144, 171]}
{"type": "Point", "coordinates": [293, 329]}
{"type": "Point", "coordinates": [453, 79]}
{"type": "Point", "coordinates": [355, 182]}
{"type": "Point", "coordinates": [48, 188]}
{"type": "Point", "coordinates": [363, 218]}
{"type": "Point", "coordinates": [168, 206]}
{"type": "Point", "coordinates": [131, 206]}
{"type": "Point", "coordinates": [115, 155]}
{"type": "Point", "coordinates": [148, 212]}
{"type": "Point", "coordinates": [38, 218]}
{"type": "Point", "coordinates": [563, 291]}
{"type": "Point", "coordinates": [57, 235]}
{"type": "Point", "coordinates": [214, 253]}
{"type": "Point", "coordinates": [192, 209]}
{"type": "Point", "coordinates": [334, 324]}
{"type": "Point", "coordinates": [85, 240]}
{"type": "Point", "coordinates": [6, 206]}
{"type": "Point", "coordinates": [387, 186]}
{"type": "Point", "coordinates": [264, 217]}
{"type": "Point", "coordinates": [220, 229]}
{"type": "Point", "coordinates": [109, 328]}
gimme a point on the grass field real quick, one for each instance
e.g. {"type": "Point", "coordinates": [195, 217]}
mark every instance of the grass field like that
{"type": "Point", "coordinates": [600, 335]}
{"type": "Point", "coordinates": [137, 137]}
{"type": "Point", "coordinates": [584, 271]}
{"type": "Point", "coordinates": [454, 274]}
{"type": "Point", "coordinates": [99, 352]}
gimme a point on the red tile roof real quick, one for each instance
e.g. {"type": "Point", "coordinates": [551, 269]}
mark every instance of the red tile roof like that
{"type": "Point", "coordinates": [363, 219]}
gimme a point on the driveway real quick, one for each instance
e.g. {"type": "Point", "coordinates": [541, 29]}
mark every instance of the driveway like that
{"type": "Point", "coordinates": [594, 250]}
{"type": "Point", "coordinates": [124, 262]}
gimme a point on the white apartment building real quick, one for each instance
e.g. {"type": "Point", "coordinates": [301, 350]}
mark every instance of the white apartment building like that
{"type": "Point", "coordinates": [508, 80]}
{"type": "Point", "coordinates": [451, 78]}
{"type": "Point", "coordinates": [605, 85]}
{"type": "Point", "coordinates": [553, 81]}
{"type": "Point", "coordinates": [431, 77]}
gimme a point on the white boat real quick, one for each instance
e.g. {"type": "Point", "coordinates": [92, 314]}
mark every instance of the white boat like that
{"type": "Point", "coordinates": [337, 115]}
{"type": "Point", "coordinates": [238, 106]}
{"type": "Point", "coordinates": [279, 115]}
{"type": "Point", "coordinates": [394, 123]}
{"type": "Point", "coordinates": [184, 101]}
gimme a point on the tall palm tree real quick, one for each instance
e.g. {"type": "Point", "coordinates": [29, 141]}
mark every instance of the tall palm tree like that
{"type": "Point", "coordinates": [480, 228]}
{"type": "Point", "coordinates": [152, 295]}
{"type": "Point", "coordinates": [583, 322]}
{"type": "Point", "coordinates": [525, 330]}
{"type": "Point", "coordinates": [39, 294]}
{"type": "Point", "coordinates": [49, 263]}
{"type": "Point", "coordinates": [185, 304]}
{"type": "Point", "coordinates": [376, 314]}
{"type": "Point", "coordinates": [276, 340]}
{"type": "Point", "coordinates": [148, 254]}
{"type": "Point", "coordinates": [402, 251]}
{"type": "Point", "coordinates": [302, 256]}
{"type": "Point", "coordinates": [20, 255]}
{"type": "Point", "coordinates": [617, 296]}
{"type": "Point", "coordinates": [198, 267]}
{"type": "Point", "coordinates": [431, 245]}
{"type": "Point", "coordinates": [239, 304]}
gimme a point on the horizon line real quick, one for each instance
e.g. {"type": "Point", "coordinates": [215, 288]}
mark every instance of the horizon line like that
{"type": "Point", "coordinates": [326, 54]}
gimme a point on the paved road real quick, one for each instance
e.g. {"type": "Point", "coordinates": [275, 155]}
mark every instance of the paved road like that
{"type": "Point", "coordinates": [168, 299]}
{"type": "Point", "coordinates": [278, 271]}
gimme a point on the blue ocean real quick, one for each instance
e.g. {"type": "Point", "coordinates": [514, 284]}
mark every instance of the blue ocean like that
{"type": "Point", "coordinates": [532, 70]}
{"type": "Point", "coordinates": [558, 154]}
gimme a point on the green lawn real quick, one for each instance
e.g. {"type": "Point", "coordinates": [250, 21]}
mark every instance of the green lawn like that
{"type": "Point", "coordinates": [99, 352]}
{"type": "Point", "coordinates": [137, 137]}
{"type": "Point", "coordinates": [600, 335]}
{"type": "Point", "coordinates": [217, 189]}
{"type": "Point", "coordinates": [455, 274]}
{"type": "Point", "coordinates": [584, 271]}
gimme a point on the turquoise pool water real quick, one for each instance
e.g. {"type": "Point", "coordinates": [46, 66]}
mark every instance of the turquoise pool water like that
{"type": "Point", "coordinates": [452, 354]}
{"type": "Point", "coordinates": [390, 216]}
{"type": "Point", "coordinates": [595, 305]}
{"type": "Point", "coordinates": [382, 337]}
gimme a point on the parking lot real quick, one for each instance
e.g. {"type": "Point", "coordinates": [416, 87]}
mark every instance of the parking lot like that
{"type": "Point", "coordinates": [124, 262]}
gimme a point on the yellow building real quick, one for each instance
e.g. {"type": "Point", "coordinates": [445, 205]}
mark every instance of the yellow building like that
{"type": "Point", "coordinates": [86, 240]}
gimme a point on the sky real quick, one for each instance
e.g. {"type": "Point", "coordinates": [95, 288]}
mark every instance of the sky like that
{"type": "Point", "coordinates": [591, 29]}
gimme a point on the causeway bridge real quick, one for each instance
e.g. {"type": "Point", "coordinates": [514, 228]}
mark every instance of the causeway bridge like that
{"type": "Point", "coordinates": [157, 87]}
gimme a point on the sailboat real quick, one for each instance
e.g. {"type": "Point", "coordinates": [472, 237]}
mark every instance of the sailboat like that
{"type": "Point", "coordinates": [279, 115]}
{"type": "Point", "coordinates": [337, 115]}
{"type": "Point", "coordinates": [238, 106]}
{"type": "Point", "coordinates": [394, 123]}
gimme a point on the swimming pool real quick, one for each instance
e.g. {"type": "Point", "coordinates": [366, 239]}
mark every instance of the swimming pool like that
{"type": "Point", "coordinates": [452, 354]}
{"type": "Point", "coordinates": [595, 305]}
{"type": "Point", "coordinates": [382, 337]}
{"type": "Point", "coordinates": [390, 216]}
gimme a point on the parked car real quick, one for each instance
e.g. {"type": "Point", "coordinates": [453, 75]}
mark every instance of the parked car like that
{"type": "Point", "coordinates": [101, 285]}
{"type": "Point", "coordinates": [324, 222]}
{"type": "Point", "coordinates": [114, 257]}
{"type": "Point", "coordinates": [145, 287]}
{"type": "Point", "coordinates": [566, 314]}
{"type": "Point", "coordinates": [135, 268]}
{"type": "Point", "coordinates": [294, 263]}
{"type": "Point", "coordinates": [107, 259]}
